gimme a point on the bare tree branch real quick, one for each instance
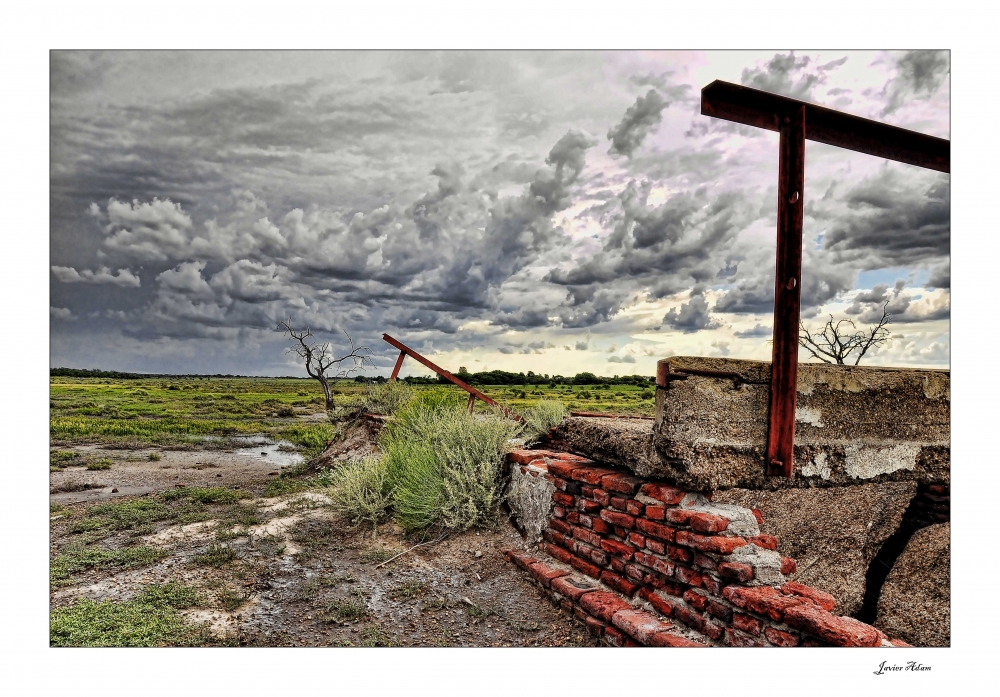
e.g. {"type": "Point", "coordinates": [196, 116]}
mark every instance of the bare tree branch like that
{"type": "Point", "coordinates": [321, 362]}
{"type": "Point", "coordinates": [835, 343]}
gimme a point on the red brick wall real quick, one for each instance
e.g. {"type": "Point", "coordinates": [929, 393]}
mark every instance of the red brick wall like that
{"type": "Point", "coordinates": [671, 578]}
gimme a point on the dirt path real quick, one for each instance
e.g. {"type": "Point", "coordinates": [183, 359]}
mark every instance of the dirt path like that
{"type": "Point", "coordinates": [294, 574]}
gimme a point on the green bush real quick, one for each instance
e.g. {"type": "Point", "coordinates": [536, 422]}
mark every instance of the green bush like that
{"type": "Point", "coordinates": [103, 464]}
{"type": "Point", "coordinates": [386, 399]}
{"type": "Point", "coordinates": [443, 464]}
{"type": "Point", "coordinates": [361, 490]}
{"type": "Point", "coordinates": [539, 418]}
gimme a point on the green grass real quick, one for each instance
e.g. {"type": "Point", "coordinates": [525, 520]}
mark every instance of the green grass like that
{"type": "Point", "coordinates": [76, 559]}
{"type": "Point", "coordinates": [217, 555]}
{"type": "Point", "coordinates": [103, 464]}
{"type": "Point", "coordinates": [346, 610]}
{"type": "Point", "coordinates": [214, 494]}
{"type": "Point", "coordinates": [443, 464]}
{"type": "Point", "coordinates": [137, 515]}
{"type": "Point", "coordinates": [161, 411]}
{"type": "Point", "coordinates": [149, 619]}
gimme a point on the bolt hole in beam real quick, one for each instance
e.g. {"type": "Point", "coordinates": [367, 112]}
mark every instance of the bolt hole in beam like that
{"type": "Point", "coordinates": [796, 122]}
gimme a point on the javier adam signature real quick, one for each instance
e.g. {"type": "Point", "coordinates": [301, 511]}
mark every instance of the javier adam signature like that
{"type": "Point", "coordinates": [883, 668]}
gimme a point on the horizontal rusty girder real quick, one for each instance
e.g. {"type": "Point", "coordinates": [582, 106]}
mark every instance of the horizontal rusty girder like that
{"type": "Point", "coordinates": [751, 107]}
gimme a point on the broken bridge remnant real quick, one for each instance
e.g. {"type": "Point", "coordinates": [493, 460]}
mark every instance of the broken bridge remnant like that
{"type": "Point", "coordinates": [857, 424]}
{"type": "Point", "coordinates": [474, 394]}
{"type": "Point", "coordinates": [797, 122]}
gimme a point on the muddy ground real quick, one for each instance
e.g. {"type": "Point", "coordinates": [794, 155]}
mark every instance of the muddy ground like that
{"type": "Point", "coordinates": [293, 573]}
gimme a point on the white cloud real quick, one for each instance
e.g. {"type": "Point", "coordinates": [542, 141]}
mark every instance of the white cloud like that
{"type": "Point", "coordinates": [123, 277]}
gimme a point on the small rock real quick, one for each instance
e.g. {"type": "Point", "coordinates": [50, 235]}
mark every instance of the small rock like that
{"type": "Point", "coordinates": [180, 486]}
{"type": "Point", "coordinates": [218, 475]}
{"type": "Point", "coordinates": [478, 554]}
{"type": "Point", "coordinates": [114, 491]}
{"type": "Point", "coordinates": [263, 454]}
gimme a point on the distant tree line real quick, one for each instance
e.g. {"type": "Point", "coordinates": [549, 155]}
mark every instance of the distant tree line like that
{"type": "Point", "coordinates": [503, 377]}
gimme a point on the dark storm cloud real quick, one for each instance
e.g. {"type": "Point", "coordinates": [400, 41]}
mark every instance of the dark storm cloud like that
{"type": "Point", "coordinates": [639, 121]}
{"type": "Point", "coordinates": [692, 316]}
{"type": "Point", "coordinates": [902, 306]}
{"type": "Point", "coordinates": [895, 218]}
{"type": "Point", "coordinates": [786, 75]}
{"type": "Point", "coordinates": [920, 74]}
{"type": "Point", "coordinates": [758, 331]}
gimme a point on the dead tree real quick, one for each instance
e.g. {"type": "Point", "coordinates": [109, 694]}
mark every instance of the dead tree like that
{"type": "Point", "coordinates": [835, 343]}
{"type": "Point", "coordinates": [322, 364]}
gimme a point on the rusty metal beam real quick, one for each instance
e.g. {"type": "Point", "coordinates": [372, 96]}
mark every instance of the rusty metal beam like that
{"type": "Point", "coordinates": [399, 364]}
{"type": "Point", "coordinates": [751, 107]}
{"type": "Point", "coordinates": [473, 392]}
{"type": "Point", "coordinates": [787, 290]}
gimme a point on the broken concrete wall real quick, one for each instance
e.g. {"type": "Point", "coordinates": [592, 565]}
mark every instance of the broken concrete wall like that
{"type": "Point", "coordinates": [915, 604]}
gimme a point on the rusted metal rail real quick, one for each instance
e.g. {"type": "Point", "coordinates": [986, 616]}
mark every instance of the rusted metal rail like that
{"type": "Point", "coordinates": [796, 122]}
{"type": "Point", "coordinates": [474, 394]}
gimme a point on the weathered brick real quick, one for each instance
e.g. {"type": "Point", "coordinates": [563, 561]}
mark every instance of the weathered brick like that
{"type": "Point", "coordinates": [657, 546]}
{"type": "Point", "coordinates": [585, 566]}
{"type": "Point", "coordinates": [689, 617]}
{"type": "Point", "coordinates": [635, 508]}
{"type": "Point", "coordinates": [558, 538]}
{"type": "Point", "coordinates": [600, 527]}
{"type": "Point", "coordinates": [695, 599]}
{"type": "Point", "coordinates": [614, 636]}
{"type": "Point", "coordinates": [587, 536]}
{"type": "Point", "coordinates": [705, 561]}
{"type": "Point", "coordinates": [564, 499]}
{"type": "Point", "coordinates": [573, 517]}
{"type": "Point", "coordinates": [621, 483]}
{"type": "Point", "coordinates": [839, 631]}
{"type": "Point", "coordinates": [661, 565]}
{"type": "Point", "coordinates": [603, 605]}
{"type": "Point", "coordinates": [748, 624]}
{"type": "Point", "coordinates": [788, 566]}
{"type": "Point", "coordinates": [523, 457]}
{"type": "Point", "coordinates": [587, 506]}
{"type": "Point", "coordinates": [562, 469]}
{"type": "Point", "coordinates": [590, 475]}
{"type": "Point", "coordinates": [763, 600]}
{"type": "Point", "coordinates": [586, 521]}
{"type": "Point", "coordinates": [619, 503]}
{"type": "Point", "coordinates": [678, 516]}
{"type": "Point", "coordinates": [679, 553]}
{"type": "Point", "coordinates": [599, 557]}
{"type": "Point", "coordinates": [618, 565]}
{"type": "Point", "coordinates": [620, 531]}
{"type": "Point", "coordinates": [764, 541]}
{"type": "Point", "coordinates": [623, 520]}
{"type": "Point", "coordinates": [637, 539]}
{"type": "Point", "coordinates": [594, 625]}
{"type": "Point", "coordinates": [708, 522]}
{"type": "Point", "coordinates": [712, 630]}
{"type": "Point", "coordinates": [736, 571]}
{"type": "Point", "coordinates": [636, 572]}
{"type": "Point", "coordinates": [720, 611]}
{"type": "Point", "coordinates": [670, 639]}
{"type": "Point", "coordinates": [560, 526]}
{"type": "Point", "coordinates": [619, 583]}
{"type": "Point", "coordinates": [710, 584]}
{"type": "Point", "coordinates": [602, 497]}
{"type": "Point", "coordinates": [620, 548]}
{"type": "Point", "coordinates": [655, 580]}
{"type": "Point", "coordinates": [657, 513]}
{"type": "Point", "coordinates": [570, 457]}
{"type": "Point", "coordinates": [587, 490]}
{"type": "Point", "coordinates": [758, 515]}
{"type": "Point", "coordinates": [735, 638]}
{"type": "Point", "coordinates": [660, 604]}
{"type": "Point", "coordinates": [558, 552]}
{"type": "Point", "coordinates": [559, 511]}
{"type": "Point", "coordinates": [714, 543]}
{"type": "Point", "coordinates": [814, 595]}
{"type": "Point", "coordinates": [688, 576]}
{"type": "Point", "coordinates": [639, 625]}
{"type": "Point", "coordinates": [522, 560]}
{"type": "Point", "coordinates": [780, 638]}
{"type": "Point", "coordinates": [572, 587]}
{"type": "Point", "coordinates": [900, 643]}
{"type": "Point", "coordinates": [662, 492]}
{"type": "Point", "coordinates": [663, 532]}
{"type": "Point", "coordinates": [559, 483]}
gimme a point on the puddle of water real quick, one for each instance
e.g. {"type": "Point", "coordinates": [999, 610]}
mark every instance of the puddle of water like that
{"type": "Point", "coordinates": [98, 494]}
{"type": "Point", "coordinates": [268, 451]}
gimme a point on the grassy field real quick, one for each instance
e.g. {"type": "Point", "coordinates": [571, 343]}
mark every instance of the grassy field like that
{"type": "Point", "coordinates": [175, 411]}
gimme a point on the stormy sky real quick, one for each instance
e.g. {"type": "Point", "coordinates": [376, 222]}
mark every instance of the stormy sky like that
{"type": "Point", "coordinates": [552, 211]}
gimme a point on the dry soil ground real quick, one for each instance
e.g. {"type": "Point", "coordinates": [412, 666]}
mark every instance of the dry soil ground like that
{"type": "Point", "coordinates": [286, 571]}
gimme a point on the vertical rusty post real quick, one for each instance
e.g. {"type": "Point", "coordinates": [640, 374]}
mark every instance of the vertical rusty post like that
{"type": "Point", "coordinates": [787, 292]}
{"type": "Point", "coordinates": [399, 364]}
{"type": "Point", "coordinates": [472, 402]}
